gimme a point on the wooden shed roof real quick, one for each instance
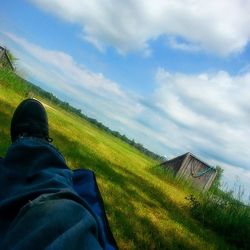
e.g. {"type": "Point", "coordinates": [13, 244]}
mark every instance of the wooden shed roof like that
{"type": "Point", "coordinates": [188, 154]}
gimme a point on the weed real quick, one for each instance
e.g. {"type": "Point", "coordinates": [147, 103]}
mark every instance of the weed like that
{"type": "Point", "coordinates": [224, 214]}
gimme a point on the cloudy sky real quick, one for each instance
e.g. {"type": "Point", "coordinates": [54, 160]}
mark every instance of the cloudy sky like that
{"type": "Point", "coordinates": [172, 74]}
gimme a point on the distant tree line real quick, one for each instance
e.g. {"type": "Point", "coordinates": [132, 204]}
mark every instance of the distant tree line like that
{"type": "Point", "coordinates": [78, 112]}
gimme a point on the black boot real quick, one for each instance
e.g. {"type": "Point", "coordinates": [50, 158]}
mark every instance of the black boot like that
{"type": "Point", "coordinates": [30, 119]}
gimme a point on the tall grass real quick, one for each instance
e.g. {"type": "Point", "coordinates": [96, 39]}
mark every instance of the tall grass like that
{"type": "Point", "coordinates": [225, 214]}
{"type": "Point", "coordinates": [168, 175]}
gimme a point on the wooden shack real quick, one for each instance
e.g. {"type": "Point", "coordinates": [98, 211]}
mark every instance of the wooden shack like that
{"type": "Point", "coordinates": [4, 59]}
{"type": "Point", "coordinates": [190, 167]}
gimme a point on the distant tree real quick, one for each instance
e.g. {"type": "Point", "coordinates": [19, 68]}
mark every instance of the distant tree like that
{"type": "Point", "coordinates": [12, 58]}
{"type": "Point", "coordinates": [217, 181]}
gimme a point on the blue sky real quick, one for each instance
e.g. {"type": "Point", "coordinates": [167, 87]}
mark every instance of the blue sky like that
{"type": "Point", "coordinates": [173, 75]}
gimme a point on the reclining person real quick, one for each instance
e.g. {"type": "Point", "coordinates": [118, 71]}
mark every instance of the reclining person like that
{"type": "Point", "coordinates": [39, 207]}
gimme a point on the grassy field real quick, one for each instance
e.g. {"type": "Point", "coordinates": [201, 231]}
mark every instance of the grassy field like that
{"type": "Point", "coordinates": [146, 209]}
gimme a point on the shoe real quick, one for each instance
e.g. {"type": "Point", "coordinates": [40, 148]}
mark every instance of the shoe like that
{"type": "Point", "coordinates": [30, 120]}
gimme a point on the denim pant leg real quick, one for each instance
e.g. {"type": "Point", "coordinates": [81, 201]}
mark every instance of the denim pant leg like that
{"type": "Point", "coordinates": [31, 167]}
{"type": "Point", "coordinates": [37, 195]}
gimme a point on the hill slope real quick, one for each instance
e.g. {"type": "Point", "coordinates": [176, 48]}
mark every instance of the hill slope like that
{"type": "Point", "coordinates": [145, 209]}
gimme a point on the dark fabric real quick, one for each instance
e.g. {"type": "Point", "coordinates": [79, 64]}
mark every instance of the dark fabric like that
{"type": "Point", "coordinates": [39, 208]}
{"type": "Point", "coordinates": [85, 185]}
{"type": "Point", "coordinates": [53, 221]}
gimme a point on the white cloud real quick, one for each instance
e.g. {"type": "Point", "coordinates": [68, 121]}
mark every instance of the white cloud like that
{"type": "Point", "coordinates": [213, 111]}
{"type": "Point", "coordinates": [184, 46]}
{"type": "Point", "coordinates": [59, 72]}
{"type": "Point", "coordinates": [207, 114]}
{"type": "Point", "coordinates": [64, 63]}
{"type": "Point", "coordinates": [221, 26]}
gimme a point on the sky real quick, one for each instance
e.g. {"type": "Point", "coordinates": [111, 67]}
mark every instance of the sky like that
{"type": "Point", "coordinates": [173, 75]}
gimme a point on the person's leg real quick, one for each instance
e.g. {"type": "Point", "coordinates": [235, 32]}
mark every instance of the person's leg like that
{"type": "Point", "coordinates": [31, 167]}
{"type": "Point", "coordinates": [37, 199]}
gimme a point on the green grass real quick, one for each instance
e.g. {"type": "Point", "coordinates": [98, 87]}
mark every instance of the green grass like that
{"type": "Point", "coordinates": [146, 208]}
{"type": "Point", "coordinates": [224, 214]}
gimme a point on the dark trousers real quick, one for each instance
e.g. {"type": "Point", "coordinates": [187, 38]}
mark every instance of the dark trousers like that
{"type": "Point", "coordinates": [39, 208]}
